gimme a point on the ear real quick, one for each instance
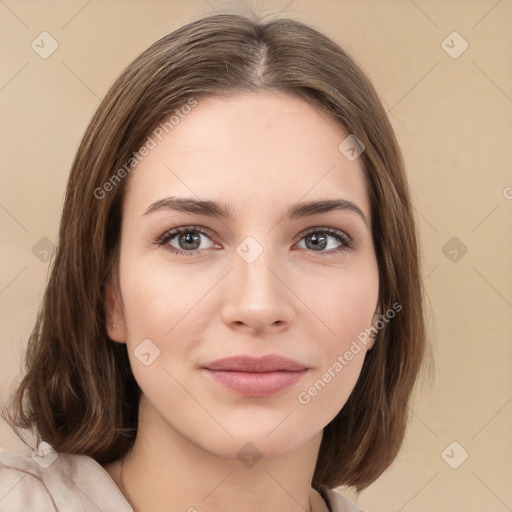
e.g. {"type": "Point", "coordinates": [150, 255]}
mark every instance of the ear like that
{"type": "Point", "coordinates": [114, 317]}
{"type": "Point", "coordinates": [376, 316]}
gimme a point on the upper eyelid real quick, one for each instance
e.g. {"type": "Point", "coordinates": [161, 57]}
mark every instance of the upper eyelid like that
{"type": "Point", "coordinates": [325, 229]}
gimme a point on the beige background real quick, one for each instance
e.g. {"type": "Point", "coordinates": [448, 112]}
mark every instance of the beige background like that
{"type": "Point", "coordinates": [453, 117]}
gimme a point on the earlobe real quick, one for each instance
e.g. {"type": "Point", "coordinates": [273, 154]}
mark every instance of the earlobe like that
{"type": "Point", "coordinates": [114, 320]}
{"type": "Point", "coordinates": [115, 331]}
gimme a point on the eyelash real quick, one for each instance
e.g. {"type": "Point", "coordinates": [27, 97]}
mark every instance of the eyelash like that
{"type": "Point", "coordinates": [345, 241]}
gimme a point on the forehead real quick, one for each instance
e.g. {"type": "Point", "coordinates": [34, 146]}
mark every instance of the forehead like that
{"type": "Point", "coordinates": [251, 148]}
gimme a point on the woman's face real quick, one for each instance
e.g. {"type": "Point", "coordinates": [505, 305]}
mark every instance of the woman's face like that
{"type": "Point", "coordinates": [301, 286]}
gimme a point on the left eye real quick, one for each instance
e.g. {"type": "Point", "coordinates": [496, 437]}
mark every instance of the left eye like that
{"type": "Point", "coordinates": [318, 238]}
{"type": "Point", "coordinates": [315, 240]}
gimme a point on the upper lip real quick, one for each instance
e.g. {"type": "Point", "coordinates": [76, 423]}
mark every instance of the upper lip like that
{"type": "Point", "coordinates": [267, 363]}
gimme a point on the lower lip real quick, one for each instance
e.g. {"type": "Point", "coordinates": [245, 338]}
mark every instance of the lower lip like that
{"type": "Point", "coordinates": [261, 384]}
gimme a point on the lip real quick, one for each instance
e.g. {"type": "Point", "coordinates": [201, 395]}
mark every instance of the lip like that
{"type": "Point", "coordinates": [256, 377]}
{"type": "Point", "coordinates": [267, 363]}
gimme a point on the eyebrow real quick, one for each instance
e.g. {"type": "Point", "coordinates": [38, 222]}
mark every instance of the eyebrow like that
{"type": "Point", "coordinates": [223, 211]}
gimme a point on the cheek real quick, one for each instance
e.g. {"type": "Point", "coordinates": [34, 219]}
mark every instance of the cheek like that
{"type": "Point", "coordinates": [322, 397]}
{"type": "Point", "coordinates": [168, 307]}
{"type": "Point", "coordinates": [345, 307]}
{"type": "Point", "coordinates": [345, 301]}
{"type": "Point", "coordinates": [157, 297]}
{"type": "Point", "coordinates": [158, 307]}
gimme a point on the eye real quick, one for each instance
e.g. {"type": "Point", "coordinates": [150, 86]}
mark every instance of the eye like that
{"type": "Point", "coordinates": [317, 239]}
{"type": "Point", "coordinates": [187, 239]}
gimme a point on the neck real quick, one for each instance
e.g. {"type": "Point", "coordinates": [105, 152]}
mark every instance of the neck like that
{"type": "Point", "coordinates": [309, 508]}
{"type": "Point", "coordinates": [170, 473]}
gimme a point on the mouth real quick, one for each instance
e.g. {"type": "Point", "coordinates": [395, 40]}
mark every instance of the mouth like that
{"type": "Point", "coordinates": [256, 377]}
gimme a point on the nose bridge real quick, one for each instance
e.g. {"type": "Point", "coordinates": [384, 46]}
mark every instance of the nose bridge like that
{"type": "Point", "coordinates": [257, 294]}
{"type": "Point", "coordinates": [256, 276]}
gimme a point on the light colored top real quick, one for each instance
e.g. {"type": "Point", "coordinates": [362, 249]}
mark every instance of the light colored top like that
{"type": "Point", "coordinates": [63, 482]}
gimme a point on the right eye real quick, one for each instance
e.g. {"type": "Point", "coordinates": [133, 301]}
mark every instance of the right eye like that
{"type": "Point", "coordinates": [184, 240]}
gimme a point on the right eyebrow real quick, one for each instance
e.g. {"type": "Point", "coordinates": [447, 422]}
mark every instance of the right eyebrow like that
{"type": "Point", "coordinates": [209, 208]}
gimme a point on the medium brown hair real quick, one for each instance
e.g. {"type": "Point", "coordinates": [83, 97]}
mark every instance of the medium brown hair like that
{"type": "Point", "coordinates": [81, 396]}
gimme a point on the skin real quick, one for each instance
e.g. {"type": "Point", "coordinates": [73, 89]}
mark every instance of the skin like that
{"type": "Point", "coordinates": [261, 153]}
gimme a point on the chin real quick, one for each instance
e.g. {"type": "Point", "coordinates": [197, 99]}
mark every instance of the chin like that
{"type": "Point", "coordinates": [256, 444]}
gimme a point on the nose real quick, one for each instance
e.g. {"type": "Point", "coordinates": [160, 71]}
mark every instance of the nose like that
{"type": "Point", "coordinates": [259, 297]}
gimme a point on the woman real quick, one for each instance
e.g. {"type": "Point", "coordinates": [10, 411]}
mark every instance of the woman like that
{"type": "Point", "coordinates": [234, 316]}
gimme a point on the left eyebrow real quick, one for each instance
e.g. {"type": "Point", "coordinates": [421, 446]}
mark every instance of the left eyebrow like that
{"type": "Point", "coordinates": [223, 211]}
{"type": "Point", "coordinates": [315, 207]}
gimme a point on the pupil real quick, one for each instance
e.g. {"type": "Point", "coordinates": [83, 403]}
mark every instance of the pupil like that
{"type": "Point", "coordinates": [187, 238]}
{"type": "Point", "coordinates": [314, 238]}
